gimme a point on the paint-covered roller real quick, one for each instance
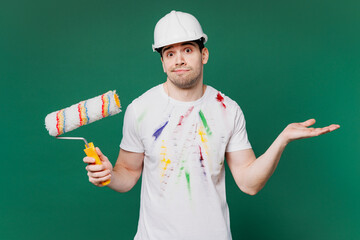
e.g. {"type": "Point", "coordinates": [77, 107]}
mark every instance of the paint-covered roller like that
{"type": "Point", "coordinates": [83, 113]}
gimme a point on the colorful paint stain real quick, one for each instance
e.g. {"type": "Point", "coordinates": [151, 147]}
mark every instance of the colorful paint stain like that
{"type": "Point", "coordinates": [185, 115]}
{"type": "Point", "coordinates": [159, 130]}
{"type": "Point", "coordinates": [206, 126]}
{"type": "Point", "coordinates": [202, 134]}
{"type": "Point", "coordinates": [202, 161]}
{"type": "Point", "coordinates": [203, 138]}
{"type": "Point", "coordinates": [187, 175]}
{"type": "Point", "coordinates": [201, 158]}
{"type": "Point", "coordinates": [60, 122]}
{"type": "Point", "coordinates": [83, 113]}
{"type": "Point", "coordinates": [181, 168]}
{"type": "Point", "coordinates": [141, 117]}
{"type": "Point", "coordinates": [105, 105]}
{"type": "Point", "coordinates": [220, 99]}
{"type": "Point", "coordinates": [164, 161]}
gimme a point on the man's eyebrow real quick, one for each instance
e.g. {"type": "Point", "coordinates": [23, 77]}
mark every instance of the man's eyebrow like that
{"type": "Point", "coordinates": [188, 43]}
{"type": "Point", "coordinates": [166, 48]}
{"type": "Point", "coordinates": [183, 44]}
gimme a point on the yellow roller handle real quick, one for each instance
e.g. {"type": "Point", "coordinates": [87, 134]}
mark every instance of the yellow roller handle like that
{"type": "Point", "coordinates": [91, 152]}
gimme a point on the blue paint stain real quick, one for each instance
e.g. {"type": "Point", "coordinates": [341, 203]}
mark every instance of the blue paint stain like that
{"type": "Point", "coordinates": [86, 112]}
{"type": "Point", "coordinates": [108, 96]}
{"type": "Point", "coordinates": [64, 121]}
{"type": "Point", "coordinates": [159, 131]}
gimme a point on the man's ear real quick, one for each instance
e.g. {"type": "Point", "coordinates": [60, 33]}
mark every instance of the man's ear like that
{"type": "Point", "coordinates": [163, 64]}
{"type": "Point", "coordinates": [205, 55]}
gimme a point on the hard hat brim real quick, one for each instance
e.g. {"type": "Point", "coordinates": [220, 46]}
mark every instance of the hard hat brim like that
{"type": "Point", "coordinates": [180, 40]}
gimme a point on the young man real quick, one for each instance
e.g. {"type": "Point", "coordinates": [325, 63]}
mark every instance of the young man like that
{"type": "Point", "coordinates": [177, 135]}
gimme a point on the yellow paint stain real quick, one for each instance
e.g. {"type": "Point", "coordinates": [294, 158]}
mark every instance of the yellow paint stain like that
{"type": "Point", "coordinates": [164, 162]}
{"type": "Point", "coordinates": [202, 133]}
{"type": "Point", "coordinates": [116, 97]}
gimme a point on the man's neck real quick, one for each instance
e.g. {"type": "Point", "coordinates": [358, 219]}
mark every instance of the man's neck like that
{"type": "Point", "coordinates": [184, 95]}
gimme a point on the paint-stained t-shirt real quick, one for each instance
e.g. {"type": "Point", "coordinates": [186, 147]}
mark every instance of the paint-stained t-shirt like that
{"type": "Point", "coordinates": [183, 179]}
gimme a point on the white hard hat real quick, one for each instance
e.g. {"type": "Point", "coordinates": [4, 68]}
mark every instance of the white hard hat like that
{"type": "Point", "coordinates": [176, 27]}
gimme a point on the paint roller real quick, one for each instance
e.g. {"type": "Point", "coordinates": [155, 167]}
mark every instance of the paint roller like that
{"type": "Point", "coordinates": [83, 113]}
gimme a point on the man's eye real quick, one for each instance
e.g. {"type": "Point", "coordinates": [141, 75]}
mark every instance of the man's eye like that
{"type": "Point", "coordinates": [188, 50]}
{"type": "Point", "coordinates": [170, 54]}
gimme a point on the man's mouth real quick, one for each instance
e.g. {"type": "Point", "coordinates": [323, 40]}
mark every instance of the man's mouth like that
{"type": "Point", "coordinates": [181, 70]}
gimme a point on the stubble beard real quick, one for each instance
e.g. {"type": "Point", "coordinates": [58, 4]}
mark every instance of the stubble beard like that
{"type": "Point", "coordinates": [185, 82]}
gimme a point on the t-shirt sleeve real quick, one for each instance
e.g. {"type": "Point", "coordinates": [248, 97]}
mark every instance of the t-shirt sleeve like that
{"type": "Point", "coordinates": [238, 139]}
{"type": "Point", "coordinates": [131, 140]}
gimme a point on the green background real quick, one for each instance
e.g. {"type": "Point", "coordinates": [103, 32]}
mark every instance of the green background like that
{"type": "Point", "coordinates": [282, 61]}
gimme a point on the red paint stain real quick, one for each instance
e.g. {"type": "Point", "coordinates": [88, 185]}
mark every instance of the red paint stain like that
{"type": "Point", "coordinates": [103, 105]}
{"type": "Point", "coordinates": [57, 123]}
{"type": "Point", "coordinates": [185, 115]}
{"type": "Point", "coordinates": [181, 119]}
{"type": "Point", "coordinates": [220, 99]}
{"type": "Point", "coordinates": [201, 157]}
{"type": "Point", "coordinates": [202, 161]}
{"type": "Point", "coordinates": [79, 110]}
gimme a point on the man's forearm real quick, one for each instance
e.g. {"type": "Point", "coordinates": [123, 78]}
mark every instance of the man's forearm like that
{"type": "Point", "coordinates": [123, 179]}
{"type": "Point", "coordinates": [259, 171]}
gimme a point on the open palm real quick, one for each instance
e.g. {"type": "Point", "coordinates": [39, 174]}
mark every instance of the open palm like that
{"type": "Point", "coordinates": [301, 130]}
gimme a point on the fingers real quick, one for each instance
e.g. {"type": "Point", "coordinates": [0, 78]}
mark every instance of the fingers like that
{"type": "Point", "coordinates": [312, 121]}
{"type": "Point", "coordinates": [320, 131]}
{"type": "Point", "coordinates": [333, 127]}
{"type": "Point", "coordinates": [98, 174]}
{"type": "Point", "coordinates": [95, 167]}
{"type": "Point", "coordinates": [308, 123]}
{"type": "Point", "coordinates": [102, 157]}
{"type": "Point", "coordinates": [98, 151]}
{"type": "Point", "coordinates": [97, 181]}
{"type": "Point", "coordinates": [89, 160]}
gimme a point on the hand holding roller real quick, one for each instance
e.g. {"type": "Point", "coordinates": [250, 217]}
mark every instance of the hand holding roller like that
{"type": "Point", "coordinates": [90, 151]}
{"type": "Point", "coordinates": [83, 113]}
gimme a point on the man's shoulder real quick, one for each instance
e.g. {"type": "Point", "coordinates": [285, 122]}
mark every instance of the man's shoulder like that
{"type": "Point", "coordinates": [155, 90]}
{"type": "Point", "coordinates": [222, 98]}
{"type": "Point", "coordinates": [149, 96]}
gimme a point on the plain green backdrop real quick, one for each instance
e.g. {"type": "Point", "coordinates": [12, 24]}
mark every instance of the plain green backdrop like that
{"type": "Point", "coordinates": [282, 61]}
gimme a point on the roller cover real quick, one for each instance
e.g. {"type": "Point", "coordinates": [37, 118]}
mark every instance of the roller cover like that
{"type": "Point", "coordinates": [82, 113]}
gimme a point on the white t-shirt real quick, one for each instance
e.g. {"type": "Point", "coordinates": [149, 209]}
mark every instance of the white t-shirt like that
{"type": "Point", "coordinates": [183, 179]}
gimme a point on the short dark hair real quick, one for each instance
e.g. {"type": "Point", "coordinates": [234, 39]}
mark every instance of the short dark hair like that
{"type": "Point", "coordinates": [199, 42]}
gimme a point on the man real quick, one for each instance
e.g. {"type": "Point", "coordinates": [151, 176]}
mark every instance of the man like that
{"type": "Point", "coordinates": [177, 135]}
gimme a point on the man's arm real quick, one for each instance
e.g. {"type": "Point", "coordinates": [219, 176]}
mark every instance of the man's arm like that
{"type": "Point", "coordinates": [123, 176]}
{"type": "Point", "coordinates": [251, 173]}
{"type": "Point", "coordinates": [127, 171]}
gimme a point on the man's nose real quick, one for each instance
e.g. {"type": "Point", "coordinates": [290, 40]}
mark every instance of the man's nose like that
{"type": "Point", "coordinates": [180, 60]}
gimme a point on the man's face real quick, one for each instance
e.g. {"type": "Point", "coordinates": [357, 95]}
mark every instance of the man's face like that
{"type": "Point", "coordinates": [183, 63]}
